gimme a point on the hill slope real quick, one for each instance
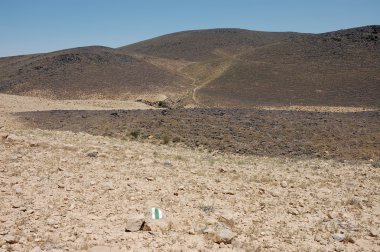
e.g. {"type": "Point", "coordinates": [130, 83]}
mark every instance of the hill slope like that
{"type": "Point", "coordinates": [200, 45]}
{"type": "Point", "coordinates": [78, 73]}
{"type": "Point", "coordinates": [335, 69]}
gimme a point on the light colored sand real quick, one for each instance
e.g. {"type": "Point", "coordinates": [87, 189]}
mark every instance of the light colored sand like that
{"type": "Point", "coordinates": [15, 103]}
{"type": "Point", "coordinates": [54, 196]}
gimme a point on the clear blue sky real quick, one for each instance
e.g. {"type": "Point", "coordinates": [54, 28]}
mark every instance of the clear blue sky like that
{"type": "Point", "coordinates": [30, 26]}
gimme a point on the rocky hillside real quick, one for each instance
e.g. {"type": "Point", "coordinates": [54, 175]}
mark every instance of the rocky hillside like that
{"type": "Point", "coordinates": [212, 68]}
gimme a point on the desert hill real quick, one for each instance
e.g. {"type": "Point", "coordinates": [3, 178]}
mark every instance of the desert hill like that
{"type": "Point", "coordinates": [340, 68]}
{"type": "Point", "coordinates": [89, 72]}
{"type": "Point", "coordinates": [200, 45]}
{"type": "Point", "coordinates": [212, 68]}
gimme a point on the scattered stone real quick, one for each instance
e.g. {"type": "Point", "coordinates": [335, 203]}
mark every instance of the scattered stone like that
{"type": "Point", "coordinates": [134, 223]}
{"type": "Point", "coordinates": [103, 249]}
{"type": "Point", "coordinates": [36, 249]}
{"type": "Point", "coordinates": [373, 232]}
{"type": "Point", "coordinates": [162, 225]}
{"type": "Point", "coordinates": [339, 248]}
{"type": "Point", "coordinates": [332, 215]}
{"type": "Point", "coordinates": [293, 211]}
{"type": "Point", "coordinates": [318, 238]}
{"type": "Point", "coordinates": [223, 235]}
{"type": "Point", "coordinates": [108, 186]}
{"type": "Point", "coordinates": [92, 182]}
{"type": "Point", "coordinates": [92, 154]}
{"type": "Point", "coordinates": [17, 188]}
{"type": "Point", "coordinates": [275, 193]}
{"type": "Point", "coordinates": [229, 193]}
{"type": "Point", "coordinates": [4, 136]}
{"type": "Point", "coordinates": [34, 145]}
{"type": "Point", "coordinates": [55, 220]}
{"type": "Point", "coordinates": [17, 204]}
{"type": "Point", "coordinates": [339, 237]}
{"type": "Point", "coordinates": [284, 184]}
{"type": "Point", "coordinates": [10, 239]}
{"type": "Point", "coordinates": [227, 218]}
{"type": "Point", "coordinates": [4, 232]}
{"type": "Point", "coordinates": [150, 178]}
{"type": "Point", "coordinates": [167, 163]}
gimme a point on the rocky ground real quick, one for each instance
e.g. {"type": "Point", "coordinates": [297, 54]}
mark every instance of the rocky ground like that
{"type": "Point", "coordinates": [66, 191]}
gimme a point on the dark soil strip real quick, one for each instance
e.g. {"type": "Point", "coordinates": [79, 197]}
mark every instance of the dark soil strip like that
{"type": "Point", "coordinates": [344, 136]}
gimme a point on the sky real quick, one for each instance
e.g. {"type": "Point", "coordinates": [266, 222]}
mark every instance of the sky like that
{"type": "Point", "coordinates": [34, 26]}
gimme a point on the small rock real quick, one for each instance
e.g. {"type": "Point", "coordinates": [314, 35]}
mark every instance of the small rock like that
{"type": "Point", "coordinates": [33, 144]}
{"type": "Point", "coordinates": [332, 215]}
{"type": "Point", "coordinates": [10, 239]}
{"type": "Point", "coordinates": [149, 178]}
{"type": "Point", "coordinates": [373, 232]}
{"type": "Point", "coordinates": [227, 218]}
{"type": "Point", "coordinates": [339, 248]}
{"type": "Point", "coordinates": [108, 186]}
{"type": "Point", "coordinates": [4, 232]}
{"type": "Point", "coordinates": [275, 193]}
{"type": "Point", "coordinates": [339, 236]}
{"type": "Point", "coordinates": [103, 249]}
{"type": "Point", "coordinates": [162, 225]}
{"type": "Point", "coordinates": [17, 204]}
{"type": "Point", "coordinates": [223, 235]}
{"type": "Point", "coordinates": [92, 182]}
{"type": "Point", "coordinates": [17, 188]}
{"type": "Point", "coordinates": [92, 154]}
{"type": "Point", "coordinates": [134, 223]}
{"type": "Point", "coordinates": [293, 211]}
{"type": "Point", "coordinates": [284, 184]}
{"type": "Point", "coordinates": [167, 163]}
{"type": "Point", "coordinates": [3, 136]}
{"type": "Point", "coordinates": [55, 220]}
{"type": "Point", "coordinates": [318, 238]}
{"type": "Point", "coordinates": [36, 249]}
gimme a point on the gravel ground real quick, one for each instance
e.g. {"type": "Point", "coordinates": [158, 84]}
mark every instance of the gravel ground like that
{"type": "Point", "coordinates": [67, 191]}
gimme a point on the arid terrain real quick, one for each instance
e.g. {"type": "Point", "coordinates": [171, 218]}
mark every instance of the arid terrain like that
{"type": "Point", "coordinates": [245, 140]}
{"type": "Point", "coordinates": [231, 68]}
{"type": "Point", "coordinates": [65, 189]}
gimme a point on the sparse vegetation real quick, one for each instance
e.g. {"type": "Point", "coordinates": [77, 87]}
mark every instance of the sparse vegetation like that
{"type": "Point", "coordinates": [165, 139]}
{"type": "Point", "coordinates": [176, 139]}
{"type": "Point", "coordinates": [135, 134]}
{"type": "Point", "coordinates": [207, 208]}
